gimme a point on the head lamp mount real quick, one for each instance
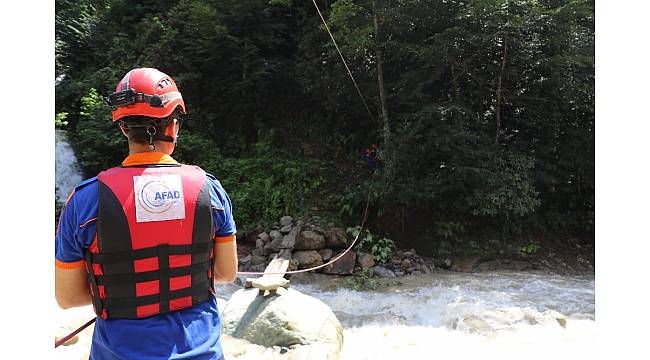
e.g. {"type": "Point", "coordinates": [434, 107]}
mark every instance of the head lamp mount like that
{"type": "Point", "coordinates": [130, 97]}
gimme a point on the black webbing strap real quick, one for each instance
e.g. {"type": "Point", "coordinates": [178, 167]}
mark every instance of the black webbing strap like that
{"type": "Point", "coordinates": [131, 255]}
{"type": "Point", "coordinates": [97, 301]}
{"type": "Point", "coordinates": [163, 284]}
{"type": "Point", "coordinates": [126, 313]}
{"type": "Point", "coordinates": [194, 290]}
{"type": "Point", "coordinates": [119, 279]}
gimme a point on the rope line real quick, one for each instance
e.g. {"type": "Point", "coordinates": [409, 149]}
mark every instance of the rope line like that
{"type": "Point", "coordinates": [344, 62]}
{"type": "Point", "coordinates": [72, 334]}
{"type": "Point", "coordinates": [365, 214]}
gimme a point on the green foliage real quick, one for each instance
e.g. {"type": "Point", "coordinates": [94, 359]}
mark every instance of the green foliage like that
{"type": "Point", "coordinates": [262, 80]}
{"type": "Point", "coordinates": [361, 280]}
{"type": "Point", "coordinates": [59, 120]}
{"type": "Point", "coordinates": [529, 249]}
{"type": "Point", "coordinates": [448, 229]}
{"type": "Point", "coordinates": [99, 143]}
{"type": "Point", "coordinates": [380, 248]}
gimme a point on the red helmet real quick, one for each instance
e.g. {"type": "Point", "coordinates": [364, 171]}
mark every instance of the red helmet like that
{"type": "Point", "coordinates": [145, 92]}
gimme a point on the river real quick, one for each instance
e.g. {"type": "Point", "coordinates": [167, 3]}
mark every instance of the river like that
{"type": "Point", "coordinates": [67, 173]}
{"type": "Point", "coordinates": [504, 315]}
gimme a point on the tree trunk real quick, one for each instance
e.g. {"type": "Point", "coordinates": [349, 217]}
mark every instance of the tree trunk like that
{"type": "Point", "coordinates": [500, 88]}
{"type": "Point", "coordinates": [380, 81]}
{"type": "Point", "coordinates": [454, 81]}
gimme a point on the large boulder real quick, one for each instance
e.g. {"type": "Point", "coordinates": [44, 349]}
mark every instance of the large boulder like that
{"type": "Point", "coordinates": [382, 272]}
{"type": "Point", "coordinates": [309, 240]}
{"type": "Point", "coordinates": [366, 261]}
{"type": "Point", "coordinates": [275, 235]}
{"type": "Point", "coordinates": [286, 220]}
{"type": "Point", "coordinates": [342, 266]}
{"type": "Point", "coordinates": [326, 254]}
{"type": "Point", "coordinates": [337, 239]}
{"type": "Point", "coordinates": [288, 319]}
{"type": "Point", "coordinates": [465, 264]}
{"type": "Point", "coordinates": [307, 259]}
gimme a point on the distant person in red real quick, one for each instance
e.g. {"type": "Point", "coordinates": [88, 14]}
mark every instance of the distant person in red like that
{"type": "Point", "coordinates": [373, 157]}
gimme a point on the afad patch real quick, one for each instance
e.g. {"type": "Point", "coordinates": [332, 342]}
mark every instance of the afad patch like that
{"type": "Point", "coordinates": [158, 197]}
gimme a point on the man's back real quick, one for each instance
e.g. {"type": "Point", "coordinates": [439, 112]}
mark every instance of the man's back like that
{"type": "Point", "coordinates": [192, 332]}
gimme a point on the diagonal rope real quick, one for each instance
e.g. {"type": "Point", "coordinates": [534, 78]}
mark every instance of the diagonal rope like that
{"type": "Point", "coordinates": [365, 215]}
{"type": "Point", "coordinates": [72, 334]}
{"type": "Point", "coordinates": [344, 62]}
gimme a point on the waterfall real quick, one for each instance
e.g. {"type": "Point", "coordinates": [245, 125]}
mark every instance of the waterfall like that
{"type": "Point", "coordinates": [67, 171]}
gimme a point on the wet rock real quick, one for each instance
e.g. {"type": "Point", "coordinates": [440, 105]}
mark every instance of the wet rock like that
{"type": "Point", "coordinates": [275, 235]}
{"type": "Point", "coordinates": [382, 272]}
{"type": "Point", "coordinates": [442, 263]}
{"type": "Point", "coordinates": [488, 266]}
{"type": "Point", "coordinates": [285, 229]}
{"type": "Point", "coordinates": [258, 259]}
{"type": "Point", "coordinates": [465, 264]}
{"type": "Point", "coordinates": [264, 236]}
{"type": "Point", "coordinates": [283, 319]}
{"type": "Point", "coordinates": [416, 272]}
{"type": "Point", "coordinates": [257, 252]}
{"type": "Point", "coordinates": [309, 240]}
{"type": "Point", "coordinates": [286, 220]}
{"type": "Point", "coordinates": [253, 234]}
{"type": "Point", "coordinates": [293, 265]}
{"type": "Point", "coordinates": [410, 270]}
{"type": "Point", "coordinates": [366, 261]}
{"type": "Point", "coordinates": [425, 269]}
{"type": "Point", "coordinates": [326, 254]}
{"type": "Point", "coordinates": [337, 239]}
{"type": "Point", "coordinates": [406, 263]}
{"type": "Point", "coordinates": [273, 246]}
{"type": "Point", "coordinates": [258, 268]}
{"type": "Point", "coordinates": [343, 266]}
{"type": "Point", "coordinates": [245, 260]}
{"type": "Point", "coordinates": [307, 259]}
{"type": "Point", "coordinates": [547, 317]}
{"type": "Point", "coordinates": [399, 273]}
{"type": "Point", "coordinates": [520, 265]}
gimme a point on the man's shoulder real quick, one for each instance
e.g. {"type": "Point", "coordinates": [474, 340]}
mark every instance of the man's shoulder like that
{"type": "Point", "coordinates": [213, 179]}
{"type": "Point", "coordinates": [86, 190]}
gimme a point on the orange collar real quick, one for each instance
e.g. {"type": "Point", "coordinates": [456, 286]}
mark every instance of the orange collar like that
{"type": "Point", "coordinates": [147, 158]}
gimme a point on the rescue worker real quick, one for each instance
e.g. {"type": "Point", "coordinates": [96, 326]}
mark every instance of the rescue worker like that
{"type": "Point", "coordinates": [144, 242]}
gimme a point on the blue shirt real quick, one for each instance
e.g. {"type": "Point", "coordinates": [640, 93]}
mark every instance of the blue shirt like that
{"type": "Point", "coordinates": [190, 333]}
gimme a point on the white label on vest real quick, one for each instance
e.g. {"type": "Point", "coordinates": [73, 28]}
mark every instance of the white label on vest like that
{"type": "Point", "coordinates": [158, 197]}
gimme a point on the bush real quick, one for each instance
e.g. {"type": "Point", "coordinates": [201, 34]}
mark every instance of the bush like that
{"type": "Point", "coordinates": [380, 248]}
{"type": "Point", "coordinates": [361, 280]}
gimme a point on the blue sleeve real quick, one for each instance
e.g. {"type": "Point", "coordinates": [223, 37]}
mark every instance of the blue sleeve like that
{"type": "Point", "coordinates": [77, 227]}
{"type": "Point", "coordinates": [221, 209]}
{"type": "Point", "coordinates": [68, 249]}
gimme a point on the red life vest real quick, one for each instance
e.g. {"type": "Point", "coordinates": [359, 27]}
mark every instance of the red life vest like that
{"type": "Point", "coordinates": [153, 251]}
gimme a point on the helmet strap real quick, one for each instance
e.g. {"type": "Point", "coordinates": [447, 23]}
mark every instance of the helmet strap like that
{"type": "Point", "coordinates": [151, 130]}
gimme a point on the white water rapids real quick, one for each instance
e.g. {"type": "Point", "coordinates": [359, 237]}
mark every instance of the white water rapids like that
{"type": "Point", "coordinates": [67, 173]}
{"type": "Point", "coordinates": [504, 315]}
{"type": "Point", "coordinates": [500, 315]}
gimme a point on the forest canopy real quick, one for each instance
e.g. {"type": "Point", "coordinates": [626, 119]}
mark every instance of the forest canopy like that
{"type": "Point", "coordinates": [482, 110]}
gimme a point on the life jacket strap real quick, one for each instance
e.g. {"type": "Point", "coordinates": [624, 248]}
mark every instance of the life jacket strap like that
{"type": "Point", "coordinates": [131, 255]}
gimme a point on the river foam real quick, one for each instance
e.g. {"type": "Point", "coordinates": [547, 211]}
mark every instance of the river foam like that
{"type": "Point", "coordinates": [500, 315]}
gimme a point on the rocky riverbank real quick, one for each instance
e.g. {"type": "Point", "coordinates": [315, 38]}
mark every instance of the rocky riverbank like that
{"type": "Point", "coordinates": [318, 242]}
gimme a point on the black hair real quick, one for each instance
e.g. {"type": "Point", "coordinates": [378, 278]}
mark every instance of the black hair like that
{"type": "Point", "coordinates": [136, 126]}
